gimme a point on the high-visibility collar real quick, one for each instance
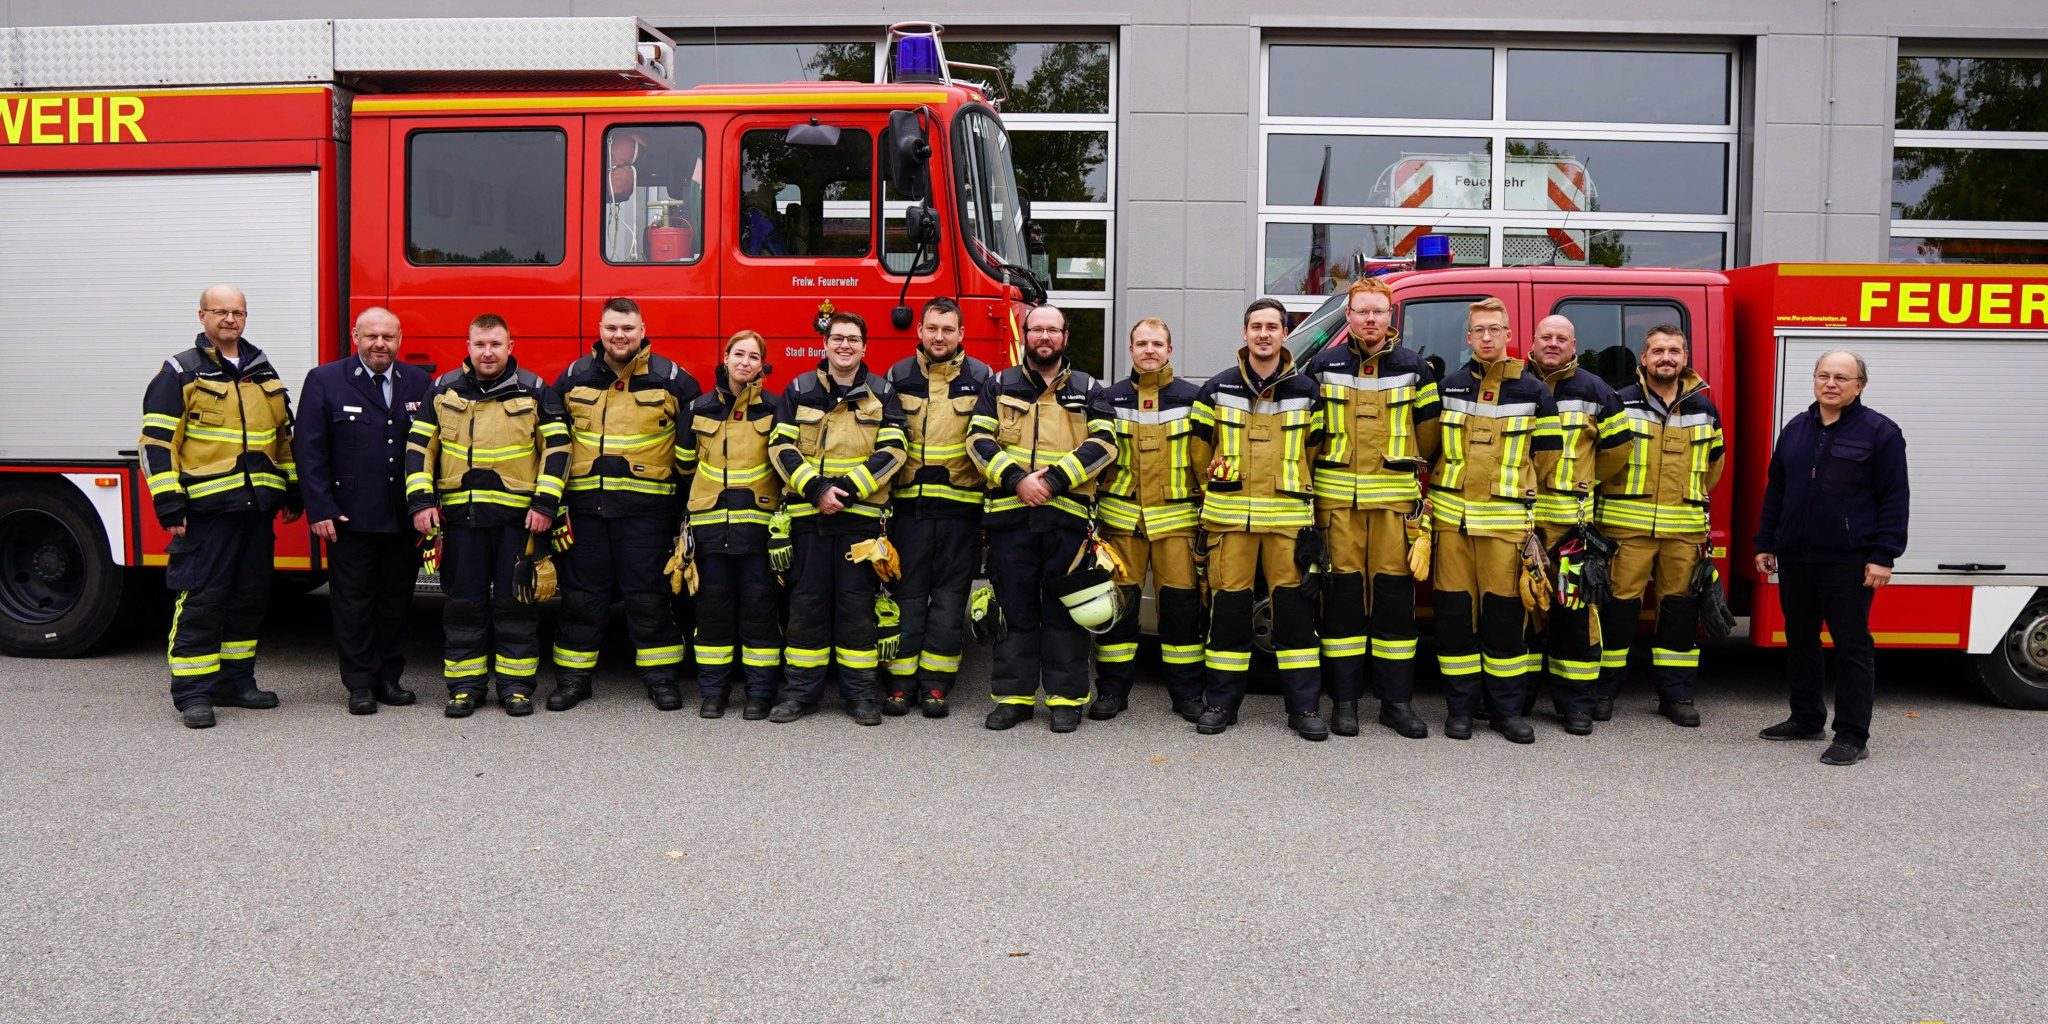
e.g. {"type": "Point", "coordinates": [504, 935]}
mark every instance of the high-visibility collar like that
{"type": "Point", "coordinates": [634, 368]}
{"type": "Point", "coordinates": [1154, 379]}
{"type": "Point", "coordinates": [843, 392]}
{"type": "Point", "coordinates": [1252, 379]}
{"type": "Point", "coordinates": [944, 369]}
{"type": "Point", "coordinates": [1557, 376]}
{"type": "Point", "coordinates": [1504, 368]}
{"type": "Point", "coordinates": [506, 378]}
{"type": "Point", "coordinates": [1689, 384]}
{"type": "Point", "coordinates": [1358, 347]}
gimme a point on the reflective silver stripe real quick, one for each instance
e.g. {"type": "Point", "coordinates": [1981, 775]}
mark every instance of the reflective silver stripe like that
{"type": "Point", "coordinates": [1357, 383]}
{"type": "Point", "coordinates": [1489, 409]}
{"type": "Point", "coordinates": [1153, 416]}
{"type": "Point", "coordinates": [1694, 419]}
{"type": "Point", "coordinates": [1263, 407]}
{"type": "Point", "coordinates": [1565, 405]}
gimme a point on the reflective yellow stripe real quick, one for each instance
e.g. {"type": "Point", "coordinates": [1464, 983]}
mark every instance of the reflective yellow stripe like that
{"type": "Point", "coordinates": [566, 658]}
{"type": "Point", "coordinates": [622, 483]}
{"type": "Point", "coordinates": [1614, 657]}
{"type": "Point", "coordinates": [1457, 664]}
{"type": "Point", "coordinates": [903, 668]}
{"type": "Point", "coordinates": [237, 650]}
{"type": "Point", "coordinates": [1227, 661]}
{"type": "Point", "coordinates": [805, 657]}
{"type": "Point", "coordinates": [932, 662]}
{"type": "Point", "coordinates": [464, 669]}
{"type": "Point", "coordinates": [517, 667]}
{"type": "Point", "coordinates": [1065, 702]}
{"type": "Point", "coordinates": [1514, 666]}
{"type": "Point", "coordinates": [1028, 700]}
{"type": "Point", "coordinates": [164, 483]}
{"type": "Point", "coordinates": [1116, 654]}
{"type": "Point", "coordinates": [1577, 671]}
{"type": "Point", "coordinates": [1300, 657]}
{"type": "Point", "coordinates": [714, 655]}
{"type": "Point", "coordinates": [1393, 650]}
{"type": "Point", "coordinates": [1344, 646]}
{"type": "Point", "coordinates": [761, 657]}
{"type": "Point", "coordinates": [654, 656]}
{"type": "Point", "coordinates": [613, 442]}
{"type": "Point", "coordinates": [1181, 654]}
{"type": "Point", "coordinates": [1667, 658]}
{"type": "Point", "coordinates": [848, 658]}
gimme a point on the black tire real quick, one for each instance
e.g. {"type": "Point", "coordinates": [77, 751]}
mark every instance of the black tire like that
{"type": "Point", "coordinates": [60, 593]}
{"type": "Point", "coordinates": [2016, 674]}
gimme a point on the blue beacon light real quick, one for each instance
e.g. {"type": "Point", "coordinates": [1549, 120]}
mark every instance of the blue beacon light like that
{"type": "Point", "coordinates": [917, 59]}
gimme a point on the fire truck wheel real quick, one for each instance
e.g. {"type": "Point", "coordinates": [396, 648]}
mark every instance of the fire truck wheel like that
{"type": "Point", "coordinates": [2016, 675]}
{"type": "Point", "coordinates": [59, 591]}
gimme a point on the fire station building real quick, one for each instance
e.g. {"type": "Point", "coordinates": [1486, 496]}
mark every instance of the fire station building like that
{"type": "Point", "coordinates": [1184, 156]}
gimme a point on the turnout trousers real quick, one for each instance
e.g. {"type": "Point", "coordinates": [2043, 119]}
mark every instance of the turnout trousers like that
{"type": "Point", "coordinates": [1043, 648]}
{"type": "Point", "coordinates": [370, 582]}
{"type": "Point", "coordinates": [939, 556]}
{"type": "Point", "coordinates": [1171, 561]}
{"type": "Point", "coordinates": [1480, 623]}
{"type": "Point", "coordinates": [1571, 647]}
{"type": "Point", "coordinates": [1674, 646]}
{"type": "Point", "coordinates": [831, 618]}
{"type": "Point", "coordinates": [486, 631]}
{"type": "Point", "coordinates": [1368, 605]}
{"type": "Point", "coordinates": [737, 619]}
{"type": "Point", "coordinates": [619, 557]}
{"type": "Point", "coordinates": [220, 570]}
{"type": "Point", "coordinates": [1236, 559]}
{"type": "Point", "coordinates": [1816, 593]}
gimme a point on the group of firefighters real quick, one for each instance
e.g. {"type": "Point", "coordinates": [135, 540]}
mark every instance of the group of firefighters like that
{"type": "Point", "coordinates": [837, 529]}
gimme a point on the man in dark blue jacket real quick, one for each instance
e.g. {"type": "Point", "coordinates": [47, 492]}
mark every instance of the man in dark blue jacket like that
{"type": "Point", "coordinates": [1834, 521]}
{"type": "Point", "coordinates": [353, 418]}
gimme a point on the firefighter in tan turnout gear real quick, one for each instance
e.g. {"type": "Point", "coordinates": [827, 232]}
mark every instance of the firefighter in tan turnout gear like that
{"type": "Point", "coordinates": [1656, 510]}
{"type": "Point", "coordinates": [216, 449]}
{"type": "Point", "coordinates": [1380, 429]}
{"type": "Point", "coordinates": [1500, 437]}
{"type": "Point", "coordinates": [1147, 509]}
{"type": "Point", "coordinates": [1262, 418]}
{"type": "Point", "coordinates": [936, 525]}
{"type": "Point", "coordinates": [1596, 443]}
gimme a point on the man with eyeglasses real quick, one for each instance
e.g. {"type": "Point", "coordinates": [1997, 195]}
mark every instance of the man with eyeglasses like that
{"type": "Point", "coordinates": [216, 450]}
{"type": "Point", "coordinates": [1041, 445]}
{"type": "Point", "coordinates": [838, 444]}
{"type": "Point", "coordinates": [1500, 439]}
{"type": "Point", "coordinates": [354, 415]}
{"type": "Point", "coordinates": [1833, 524]}
{"type": "Point", "coordinates": [1655, 508]}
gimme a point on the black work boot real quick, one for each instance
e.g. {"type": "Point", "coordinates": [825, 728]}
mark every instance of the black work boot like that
{"type": "Point", "coordinates": [865, 712]}
{"type": "Point", "coordinates": [666, 696]}
{"type": "Point", "coordinates": [461, 704]}
{"type": "Point", "coordinates": [1065, 718]}
{"type": "Point", "coordinates": [1005, 716]}
{"type": "Point", "coordinates": [243, 695]}
{"type": "Point", "coordinates": [1578, 724]}
{"type": "Point", "coordinates": [1792, 729]}
{"type": "Point", "coordinates": [789, 711]}
{"type": "Point", "coordinates": [899, 703]}
{"type": "Point", "coordinates": [1603, 709]}
{"type": "Point", "coordinates": [1515, 728]}
{"type": "Point", "coordinates": [1401, 718]}
{"type": "Point", "coordinates": [1102, 709]}
{"type": "Point", "coordinates": [1344, 717]}
{"type": "Point", "coordinates": [757, 708]}
{"type": "Point", "coordinates": [568, 693]}
{"type": "Point", "coordinates": [1681, 712]}
{"type": "Point", "coordinates": [1214, 720]}
{"type": "Point", "coordinates": [935, 705]}
{"type": "Point", "coordinates": [392, 693]}
{"type": "Point", "coordinates": [362, 702]}
{"type": "Point", "coordinates": [1309, 726]}
{"type": "Point", "coordinates": [713, 705]}
{"type": "Point", "coordinates": [197, 716]}
{"type": "Point", "coordinates": [518, 705]}
{"type": "Point", "coordinates": [1190, 709]}
{"type": "Point", "coordinates": [1458, 727]}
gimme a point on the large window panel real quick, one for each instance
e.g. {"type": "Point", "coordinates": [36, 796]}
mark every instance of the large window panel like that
{"type": "Point", "coordinates": [1627, 87]}
{"type": "Point", "coordinates": [654, 194]}
{"type": "Point", "coordinates": [1910, 249]}
{"type": "Point", "coordinates": [1045, 78]}
{"type": "Point", "coordinates": [1570, 246]}
{"type": "Point", "coordinates": [1973, 94]}
{"type": "Point", "coordinates": [765, 62]}
{"type": "Point", "coordinates": [810, 201]}
{"type": "Point", "coordinates": [1617, 177]}
{"type": "Point", "coordinates": [1071, 254]}
{"type": "Point", "coordinates": [1323, 259]}
{"type": "Point", "coordinates": [487, 197]}
{"type": "Point", "coordinates": [1424, 172]}
{"type": "Point", "coordinates": [1970, 184]}
{"type": "Point", "coordinates": [1379, 82]}
{"type": "Point", "coordinates": [1062, 166]}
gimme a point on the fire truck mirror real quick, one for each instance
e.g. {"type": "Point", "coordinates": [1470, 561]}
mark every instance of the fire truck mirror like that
{"type": "Point", "coordinates": [824, 136]}
{"type": "Point", "coordinates": [908, 152]}
{"type": "Point", "coordinates": [920, 225]}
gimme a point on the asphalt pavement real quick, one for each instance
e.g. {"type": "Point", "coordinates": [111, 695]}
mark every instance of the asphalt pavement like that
{"type": "Point", "coordinates": [618, 863]}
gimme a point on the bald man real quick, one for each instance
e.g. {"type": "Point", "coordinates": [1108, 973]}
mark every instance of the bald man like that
{"type": "Point", "coordinates": [354, 414]}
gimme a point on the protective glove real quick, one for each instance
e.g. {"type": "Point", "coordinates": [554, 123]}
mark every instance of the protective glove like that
{"type": "Point", "coordinates": [888, 627]}
{"type": "Point", "coordinates": [1535, 582]}
{"type": "Point", "coordinates": [781, 550]}
{"type": "Point", "coordinates": [984, 616]}
{"type": "Point", "coordinates": [1106, 558]}
{"type": "Point", "coordinates": [677, 560]}
{"type": "Point", "coordinates": [430, 552]}
{"type": "Point", "coordinates": [1420, 544]}
{"type": "Point", "coordinates": [563, 535]}
{"type": "Point", "coordinates": [1223, 469]}
{"type": "Point", "coordinates": [879, 553]}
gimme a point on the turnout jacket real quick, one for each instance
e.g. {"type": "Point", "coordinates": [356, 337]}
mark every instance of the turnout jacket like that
{"type": "Point", "coordinates": [1379, 425]}
{"type": "Point", "coordinates": [730, 486]}
{"type": "Point", "coordinates": [1264, 434]}
{"type": "Point", "coordinates": [485, 451]}
{"type": "Point", "coordinates": [1155, 485]}
{"type": "Point", "coordinates": [1837, 493]}
{"type": "Point", "coordinates": [1023, 423]}
{"type": "Point", "coordinates": [623, 446]}
{"type": "Point", "coordinates": [938, 477]}
{"type": "Point", "coordinates": [1500, 438]}
{"type": "Point", "coordinates": [1673, 464]}
{"type": "Point", "coordinates": [1596, 444]}
{"type": "Point", "coordinates": [850, 437]}
{"type": "Point", "coordinates": [217, 437]}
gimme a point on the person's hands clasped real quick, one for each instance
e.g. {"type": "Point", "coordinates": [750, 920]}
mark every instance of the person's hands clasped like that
{"type": "Point", "coordinates": [1876, 576]}
{"type": "Point", "coordinates": [1033, 490]}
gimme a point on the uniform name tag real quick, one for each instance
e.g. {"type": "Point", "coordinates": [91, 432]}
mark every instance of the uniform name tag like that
{"type": "Point", "coordinates": [351, 408]}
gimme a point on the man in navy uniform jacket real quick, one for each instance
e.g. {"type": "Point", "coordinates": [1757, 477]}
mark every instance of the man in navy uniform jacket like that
{"type": "Point", "coordinates": [354, 415]}
{"type": "Point", "coordinates": [1834, 521]}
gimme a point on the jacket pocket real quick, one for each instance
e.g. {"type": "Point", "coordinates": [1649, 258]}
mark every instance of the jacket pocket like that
{"type": "Point", "coordinates": [810, 426]}
{"type": "Point", "coordinates": [1011, 415]}
{"type": "Point", "coordinates": [1846, 466]}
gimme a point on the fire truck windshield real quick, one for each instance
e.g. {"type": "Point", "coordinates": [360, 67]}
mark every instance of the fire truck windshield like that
{"type": "Point", "coordinates": [991, 215]}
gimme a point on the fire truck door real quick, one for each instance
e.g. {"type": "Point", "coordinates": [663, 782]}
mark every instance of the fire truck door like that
{"type": "Point", "coordinates": [646, 237]}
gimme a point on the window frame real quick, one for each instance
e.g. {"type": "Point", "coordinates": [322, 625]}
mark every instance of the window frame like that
{"type": "Point", "coordinates": [566, 238]}
{"type": "Point", "coordinates": [1923, 138]}
{"type": "Point", "coordinates": [604, 139]}
{"type": "Point", "coordinates": [871, 253]}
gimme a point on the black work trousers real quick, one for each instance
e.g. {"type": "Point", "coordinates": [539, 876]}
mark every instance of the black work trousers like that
{"type": "Point", "coordinates": [831, 619]}
{"type": "Point", "coordinates": [220, 570]}
{"type": "Point", "coordinates": [370, 581]}
{"type": "Point", "coordinates": [939, 556]}
{"type": "Point", "coordinates": [485, 630]}
{"type": "Point", "coordinates": [1817, 593]}
{"type": "Point", "coordinates": [618, 557]}
{"type": "Point", "coordinates": [1043, 648]}
{"type": "Point", "coordinates": [738, 612]}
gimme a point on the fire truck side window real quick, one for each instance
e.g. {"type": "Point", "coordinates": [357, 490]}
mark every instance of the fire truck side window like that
{"type": "Point", "coordinates": [1610, 332]}
{"type": "Point", "coordinates": [806, 201]}
{"type": "Point", "coordinates": [1435, 328]}
{"type": "Point", "coordinates": [487, 197]}
{"type": "Point", "coordinates": [654, 194]}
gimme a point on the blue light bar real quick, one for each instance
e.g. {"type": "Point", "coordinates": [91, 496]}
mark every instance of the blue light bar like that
{"type": "Point", "coordinates": [917, 59]}
{"type": "Point", "coordinates": [1432, 252]}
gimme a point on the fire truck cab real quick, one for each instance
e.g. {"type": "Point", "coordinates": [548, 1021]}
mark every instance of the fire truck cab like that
{"type": "Point", "coordinates": [442, 168]}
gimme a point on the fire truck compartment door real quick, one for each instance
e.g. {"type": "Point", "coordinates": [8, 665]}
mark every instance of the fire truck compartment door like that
{"type": "Point", "coordinates": [1968, 404]}
{"type": "Point", "coordinates": [102, 278]}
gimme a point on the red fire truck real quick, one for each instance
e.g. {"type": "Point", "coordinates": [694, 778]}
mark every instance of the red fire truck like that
{"type": "Point", "coordinates": [1955, 352]}
{"type": "Point", "coordinates": [442, 168]}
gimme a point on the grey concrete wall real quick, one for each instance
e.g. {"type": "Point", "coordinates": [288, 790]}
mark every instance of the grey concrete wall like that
{"type": "Point", "coordinates": [1817, 128]}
